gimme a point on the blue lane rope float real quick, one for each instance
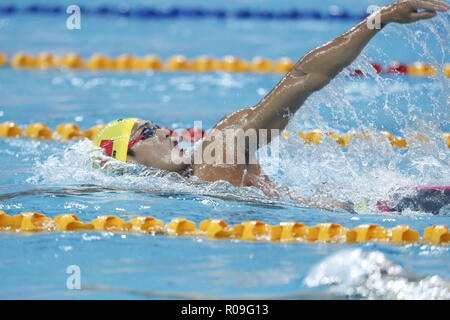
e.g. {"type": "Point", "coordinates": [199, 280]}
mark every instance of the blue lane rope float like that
{"type": "Point", "coordinates": [334, 12]}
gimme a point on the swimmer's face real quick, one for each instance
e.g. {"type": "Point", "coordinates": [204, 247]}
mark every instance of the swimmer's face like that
{"type": "Point", "coordinates": [155, 151]}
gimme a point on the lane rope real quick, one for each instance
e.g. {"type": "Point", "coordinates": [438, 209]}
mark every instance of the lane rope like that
{"type": "Point", "coordinates": [152, 13]}
{"type": "Point", "coordinates": [253, 230]}
{"type": "Point", "coordinates": [176, 63]}
{"type": "Point", "coordinates": [71, 131]}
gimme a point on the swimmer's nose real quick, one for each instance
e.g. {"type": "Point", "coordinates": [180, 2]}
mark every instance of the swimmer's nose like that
{"type": "Point", "coordinates": [163, 133]}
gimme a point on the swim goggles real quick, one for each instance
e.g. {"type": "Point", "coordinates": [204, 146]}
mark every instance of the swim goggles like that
{"type": "Point", "coordinates": [146, 133]}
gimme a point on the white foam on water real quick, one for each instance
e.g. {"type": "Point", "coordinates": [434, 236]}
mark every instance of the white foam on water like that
{"type": "Point", "coordinates": [74, 167]}
{"type": "Point", "coordinates": [357, 273]}
{"type": "Point", "coordinates": [366, 170]}
{"type": "Point", "coordinates": [372, 169]}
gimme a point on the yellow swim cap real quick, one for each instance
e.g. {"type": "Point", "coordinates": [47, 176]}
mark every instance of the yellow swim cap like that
{"type": "Point", "coordinates": [114, 138]}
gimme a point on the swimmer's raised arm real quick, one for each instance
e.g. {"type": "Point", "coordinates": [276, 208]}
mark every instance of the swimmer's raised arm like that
{"type": "Point", "coordinates": [316, 69]}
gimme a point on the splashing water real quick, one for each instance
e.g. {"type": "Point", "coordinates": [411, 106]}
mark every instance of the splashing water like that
{"type": "Point", "coordinates": [367, 169]}
{"type": "Point", "coordinates": [357, 273]}
{"type": "Point", "coordinates": [373, 169]}
{"type": "Point", "coordinates": [74, 167]}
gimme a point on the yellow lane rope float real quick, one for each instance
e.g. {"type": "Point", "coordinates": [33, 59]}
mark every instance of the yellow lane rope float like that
{"type": "Point", "coordinates": [100, 61]}
{"type": "Point", "coordinates": [252, 230]}
{"type": "Point", "coordinates": [69, 131]}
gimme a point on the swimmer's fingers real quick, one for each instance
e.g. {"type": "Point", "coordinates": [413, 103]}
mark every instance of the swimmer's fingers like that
{"type": "Point", "coordinates": [432, 5]}
{"type": "Point", "coordinates": [423, 15]}
{"type": "Point", "coordinates": [346, 205]}
{"type": "Point", "coordinates": [407, 11]}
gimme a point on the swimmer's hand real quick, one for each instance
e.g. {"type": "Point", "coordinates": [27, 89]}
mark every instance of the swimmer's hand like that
{"type": "Point", "coordinates": [407, 11]}
{"type": "Point", "coordinates": [323, 202]}
{"type": "Point", "coordinates": [335, 205]}
{"type": "Point", "coordinates": [347, 206]}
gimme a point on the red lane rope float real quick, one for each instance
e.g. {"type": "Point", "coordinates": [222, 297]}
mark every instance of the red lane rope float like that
{"type": "Point", "coordinates": [100, 61]}
{"type": "Point", "coordinates": [253, 230]}
{"type": "Point", "coordinates": [69, 131]}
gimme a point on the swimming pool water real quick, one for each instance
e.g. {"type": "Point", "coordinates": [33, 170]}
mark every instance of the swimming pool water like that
{"type": "Point", "coordinates": [34, 265]}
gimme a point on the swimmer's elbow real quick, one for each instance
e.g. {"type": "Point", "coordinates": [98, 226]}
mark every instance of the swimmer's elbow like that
{"type": "Point", "coordinates": [316, 81]}
{"type": "Point", "coordinates": [311, 81]}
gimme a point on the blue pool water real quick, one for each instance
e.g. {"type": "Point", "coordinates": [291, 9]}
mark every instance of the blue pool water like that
{"type": "Point", "coordinates": [129, 266]}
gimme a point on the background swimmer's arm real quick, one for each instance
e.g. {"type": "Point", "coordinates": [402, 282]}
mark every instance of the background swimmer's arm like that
{"type": "Point", "coordinates": [261, 181]}
{"type": "Point", "coordinates": [316, 69]}
{"type": "Point", "coordinates": [323, 202]}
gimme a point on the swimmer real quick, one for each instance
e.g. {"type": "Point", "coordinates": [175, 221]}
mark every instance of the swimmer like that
{"type": "Point", "coordinates": [143, 142]}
